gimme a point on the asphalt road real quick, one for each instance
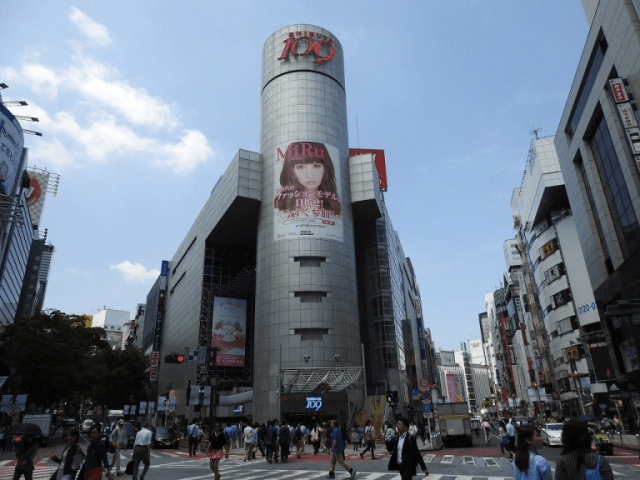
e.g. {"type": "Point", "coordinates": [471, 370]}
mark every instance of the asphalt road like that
{"type": "Point", "coordinates": [480, 462]}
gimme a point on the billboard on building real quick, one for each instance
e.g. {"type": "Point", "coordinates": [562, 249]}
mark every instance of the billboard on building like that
{"type": "Point", "coordinates": [453, 390]}
{"type": "Point", "coordinates": [447, 358]}
{"type": "Point", "coordinates": [306, 197]}
{"type": "Point", "coordinates": [38, 182]}
{"type": "Point", "coordinates": [379, 160]}
{"type": "Point", "coordinates": [11, 143]}
{"type": "Point", "coordinates": [229, 332]}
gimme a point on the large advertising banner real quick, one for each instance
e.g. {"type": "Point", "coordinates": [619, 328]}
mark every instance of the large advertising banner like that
{"type": "Point", "coordinates": [11, 143]}
{"type": "Point", "coordinates": [229, 333]}
{"type": "Point", "coordinates": [452, 388]}
{"type": "Point", "coordinates": [306, 198]}
{"type": "Point", "coordinates": [38, 182]}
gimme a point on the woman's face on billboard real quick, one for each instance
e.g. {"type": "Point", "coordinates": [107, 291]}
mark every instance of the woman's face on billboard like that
{"type": "Point", "coordinates": [309, 175]}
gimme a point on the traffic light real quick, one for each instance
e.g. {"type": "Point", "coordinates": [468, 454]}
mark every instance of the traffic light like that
{"type": "Point", "coordinates": [174, 358]}
{"type": "Point", "coordinates": [392, 397]}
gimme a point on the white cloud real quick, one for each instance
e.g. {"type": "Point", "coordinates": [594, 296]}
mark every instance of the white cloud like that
{"type": "Point", "coordinates": [99, 82]}
{"type": "Point", "coordinates": [103, 117]}
{"type": "Point", "coordinates": [96, 32]}
{"type": "Point", "coordinates": [42, 80]}
{"type": "Point", "coordinates": [135, 272]}
{"type": "Point", "coordinates": [53, 153]}
{"type": "Point", "coordinates": [184, 156]}
{"type": "Point", "coordinates": [77, 273]}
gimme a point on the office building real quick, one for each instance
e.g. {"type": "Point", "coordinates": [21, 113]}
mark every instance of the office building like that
{"type": "Point", "coordinates": [598, 150]}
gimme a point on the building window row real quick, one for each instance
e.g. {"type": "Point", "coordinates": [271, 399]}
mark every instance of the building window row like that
{"type": "Point", "coordinates": [615, 188]}
{"type": "Point", "coordinates": [588, 81]}
{"type": "Point", "coordinates": [559, 299]}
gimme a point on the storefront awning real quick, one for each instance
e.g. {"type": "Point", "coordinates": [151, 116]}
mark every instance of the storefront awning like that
{"type": "Point", "coordinates": [305, 380]}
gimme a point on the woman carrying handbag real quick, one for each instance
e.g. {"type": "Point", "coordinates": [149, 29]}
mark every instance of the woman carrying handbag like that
{"type": "Point", "coordinates": [71, 459]}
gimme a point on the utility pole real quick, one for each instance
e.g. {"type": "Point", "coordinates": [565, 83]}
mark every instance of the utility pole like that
{"type": "Point", "coordinates": [213, 381]}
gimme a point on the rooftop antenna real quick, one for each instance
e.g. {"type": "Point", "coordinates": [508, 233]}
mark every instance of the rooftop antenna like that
{"type": "Point", "coordinates": [534, 131]}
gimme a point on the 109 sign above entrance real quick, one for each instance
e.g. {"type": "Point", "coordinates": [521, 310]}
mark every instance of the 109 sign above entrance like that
{"type": "Point", "coordinates": [314, 43]}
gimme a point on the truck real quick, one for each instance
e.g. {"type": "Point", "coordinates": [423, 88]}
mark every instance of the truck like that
{"type": "Point", "coordinates": [43, 420]}
{"type": "Point", "coordinates": [455, 424]}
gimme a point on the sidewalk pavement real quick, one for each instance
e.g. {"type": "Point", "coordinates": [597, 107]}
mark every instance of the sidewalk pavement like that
{"type": "Point", "coordinates": [629, 441]}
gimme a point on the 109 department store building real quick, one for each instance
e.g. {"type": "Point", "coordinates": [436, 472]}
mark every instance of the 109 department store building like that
{"type": "Point", "coordinates": [292, 276]}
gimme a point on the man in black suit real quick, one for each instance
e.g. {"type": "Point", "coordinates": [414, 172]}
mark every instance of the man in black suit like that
{"type": "Point", "coordinates": [406, 456]}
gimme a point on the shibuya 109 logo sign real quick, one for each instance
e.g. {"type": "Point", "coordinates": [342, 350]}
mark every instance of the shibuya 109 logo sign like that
{"type": "Point", "coordinates": [313, 403]}
{"type": "Point", "coordinates": [307, 43]}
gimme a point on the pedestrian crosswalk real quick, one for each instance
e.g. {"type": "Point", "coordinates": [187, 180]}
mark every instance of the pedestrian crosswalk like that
{"type": "Point", "coordinates": [177, 465]}
{"type": "Point", "coordinates": [42, 471]}
{"type": "Point", "coordinates": [239, 471]}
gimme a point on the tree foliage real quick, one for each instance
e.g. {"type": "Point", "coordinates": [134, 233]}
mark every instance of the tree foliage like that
{"type": "Point", "coordinates": [122, 377]}
{"type": "Point", "coordinates": [57, 357]}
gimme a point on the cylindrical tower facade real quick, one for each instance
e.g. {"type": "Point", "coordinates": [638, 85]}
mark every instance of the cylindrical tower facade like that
{"type": "Point", "coordinates": [306, 292]}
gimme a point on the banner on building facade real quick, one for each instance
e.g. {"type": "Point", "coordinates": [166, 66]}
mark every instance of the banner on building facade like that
{"type": "Point", "coordinates": [229, 332]}
{"type": "Point", "coordinates": [306, 197]}
{"type": "Point", "coordinates": [38, 182]}
{"type": "Point", "coordinates": [453, 393]}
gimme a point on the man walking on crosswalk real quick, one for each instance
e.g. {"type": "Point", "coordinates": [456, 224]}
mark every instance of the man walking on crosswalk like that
{"type": "Point", "coordinates": [337, 452]}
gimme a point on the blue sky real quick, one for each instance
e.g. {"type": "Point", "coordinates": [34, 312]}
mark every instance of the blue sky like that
{"type": "Point", "coordinates": [144, 103]}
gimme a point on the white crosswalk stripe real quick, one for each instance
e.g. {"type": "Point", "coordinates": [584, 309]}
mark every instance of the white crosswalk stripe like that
{"type": "Point", "coordinates": [40, 472]}
{"type": "Point", "coordinates": [240, 471]}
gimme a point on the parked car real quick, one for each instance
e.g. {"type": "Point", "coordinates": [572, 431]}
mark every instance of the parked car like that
{"type": "Point", "coordinates": [86, 425]}
{"type": "Point", "coordinates": [165, 437]}
{"type": "Point", "coordinates": [520, 421]}
{"type": "Point", "coordinates": [601, 440]}
{"type": "Point", "coordinates": [552, 434]}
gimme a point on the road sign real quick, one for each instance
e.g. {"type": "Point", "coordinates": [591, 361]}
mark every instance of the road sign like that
{"type": "Point", "coordinates": [426, 395]}
{"type": "Point", "coordinates": [426, 407]}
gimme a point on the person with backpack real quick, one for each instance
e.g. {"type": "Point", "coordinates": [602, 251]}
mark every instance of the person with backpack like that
{"type": "Point", "coordinates": [250, 439]}
{"type": "Point", "coordinates": [369, 440]}
{"type": "Point", "coordinates": [193, 433]}
{"type": "Point", "coordinates": [577, 460]}
{"type": "Point", "coordinates": [298, 440]}
{"type": "Point", "coordinates": [284, 441]}
{"type": "Point", "coordinates": [270, 440]}
{"type": "Point", "coordinates": [389, 437]}
{"type": "Point", "coordinates": [117, 441]}
{"type": "Point", "coordinates": [355, 437]}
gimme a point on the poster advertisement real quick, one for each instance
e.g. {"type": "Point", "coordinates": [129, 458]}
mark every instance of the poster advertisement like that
{"type": "Point", "coordinates": [306, 197]}
{"type": "Point", "coordinates": [452, 388]}
{"type": "Point", "coordinates": [229, 332]}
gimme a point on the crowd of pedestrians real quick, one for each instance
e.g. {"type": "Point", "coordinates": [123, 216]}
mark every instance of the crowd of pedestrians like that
{"type": "Point", "coordinates": [275, 441]}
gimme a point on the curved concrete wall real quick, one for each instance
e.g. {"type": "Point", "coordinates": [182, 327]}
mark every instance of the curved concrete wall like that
{"type": "Point", "coordinates": [303, 100]}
